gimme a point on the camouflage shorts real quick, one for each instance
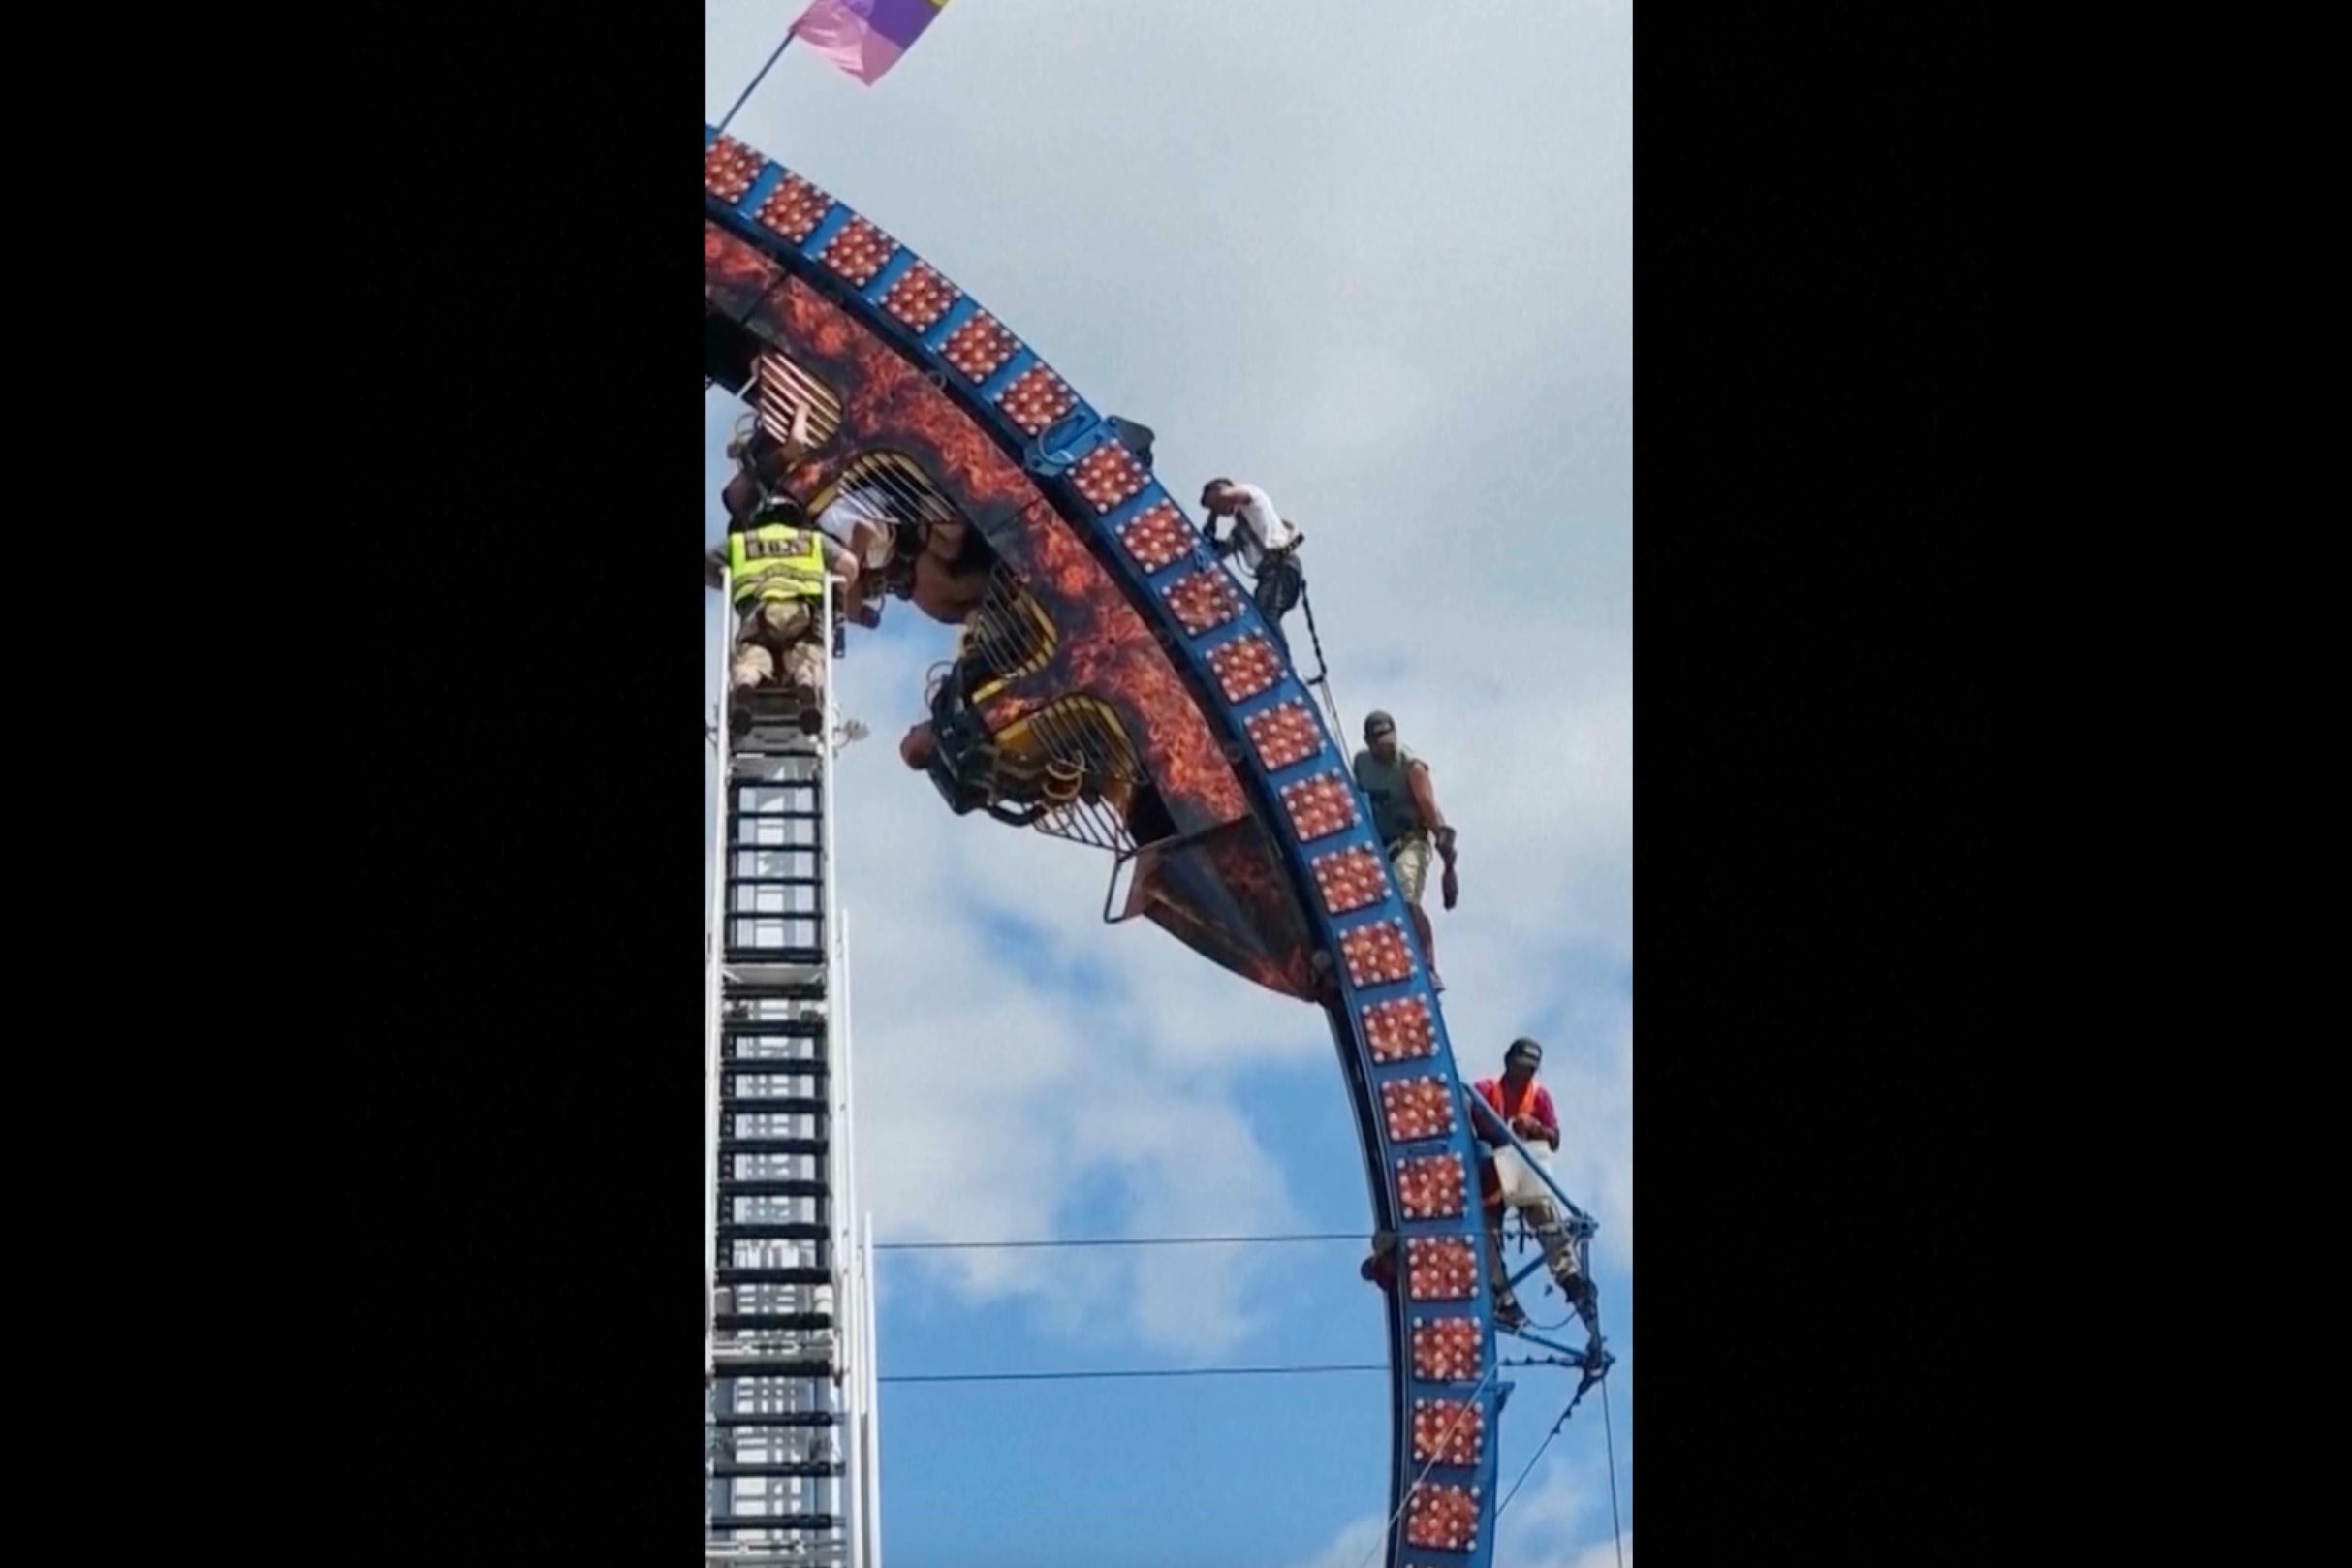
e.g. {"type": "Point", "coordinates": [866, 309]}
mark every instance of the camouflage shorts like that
{"type": "Point", "coordinates": [1410, 856]}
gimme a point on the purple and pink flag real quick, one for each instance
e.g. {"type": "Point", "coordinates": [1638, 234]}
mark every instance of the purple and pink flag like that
{"type": "Point", "coordinates": [865, 37]}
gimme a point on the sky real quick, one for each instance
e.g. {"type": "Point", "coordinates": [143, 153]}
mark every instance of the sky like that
{"type": "Point", "coordinates": [1377, 258]}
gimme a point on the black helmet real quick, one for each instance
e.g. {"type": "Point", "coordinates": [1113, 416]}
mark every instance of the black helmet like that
{"type": "Point", "coordinates": [775, 507]}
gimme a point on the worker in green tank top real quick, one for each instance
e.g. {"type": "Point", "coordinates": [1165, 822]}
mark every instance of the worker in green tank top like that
{"type": "Point", "coordinates": [1405, 816]}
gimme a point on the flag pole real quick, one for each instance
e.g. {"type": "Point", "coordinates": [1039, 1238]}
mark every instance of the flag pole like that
{"type": "Point", "coordinates": [755, 81]}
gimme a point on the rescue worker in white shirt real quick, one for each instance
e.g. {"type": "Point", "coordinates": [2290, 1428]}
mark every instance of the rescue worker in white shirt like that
{"type": "Point", "coordinates": [780, 568]}
{"type": "Point", "coordinates": [1405, 816]}
{"type": "Point", "coordinates": [1268, 547]}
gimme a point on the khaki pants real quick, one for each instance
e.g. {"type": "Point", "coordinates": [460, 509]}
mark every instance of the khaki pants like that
{"type": "Point", "coordinates": [779, 636]}
{"type": "Point", "coordinates": [1560, 1254]}
{"type": "Point", "coordinates": [1410, 856]}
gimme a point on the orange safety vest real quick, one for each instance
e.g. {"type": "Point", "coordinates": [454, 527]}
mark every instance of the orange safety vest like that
{"type": "Point", "coordinates": [1490, 1181]}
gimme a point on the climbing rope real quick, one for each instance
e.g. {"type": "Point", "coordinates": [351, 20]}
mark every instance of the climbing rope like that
{"type": "Point", "coordinates": [1322, 678]}
{"type": "Point", "coordinates": [1538, 1454]}
{"type": "Point", "coordinates": [1592, 1375]}
{"type": "Point", "coordinates": [1616, 1529]}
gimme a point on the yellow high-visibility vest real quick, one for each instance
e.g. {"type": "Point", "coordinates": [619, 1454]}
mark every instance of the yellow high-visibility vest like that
{"type": "Point", "coordinates": [775, 562]}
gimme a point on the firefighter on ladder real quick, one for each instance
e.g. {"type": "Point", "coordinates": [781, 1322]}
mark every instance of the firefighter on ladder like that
{"type": "Point", "coordinates": [780, 569]}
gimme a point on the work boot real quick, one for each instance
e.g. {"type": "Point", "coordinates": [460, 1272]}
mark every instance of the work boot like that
{"type": "Point", "coordinates": [1587, 1304]}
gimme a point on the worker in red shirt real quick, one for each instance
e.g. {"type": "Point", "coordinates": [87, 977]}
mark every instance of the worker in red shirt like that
{"type": "Point", "coordinates": [1525, 1106]}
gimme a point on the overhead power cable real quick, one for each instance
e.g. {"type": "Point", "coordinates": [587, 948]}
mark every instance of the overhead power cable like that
{"type": "Point", "coordinates": [1124, 1242]}
{"type": "Point", "coordinates": [1166, 1371]}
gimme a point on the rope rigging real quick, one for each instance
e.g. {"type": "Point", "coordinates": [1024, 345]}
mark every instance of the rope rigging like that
{"type": "Point", "coordinates": [1592, 1374]}
{"type": "Point", "coordinates": [1321, 680]}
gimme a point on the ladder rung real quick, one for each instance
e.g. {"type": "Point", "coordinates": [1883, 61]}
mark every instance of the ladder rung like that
{"type": "Point", "coordinates": [775, 990]}
{"type": "Point", "coordinates": [801, 958]}
{"type": "Point", "coordinates": [775, 882]}
{"type": "Point", "coordinates": [773, 1521]}
{"type": "Point", "coordinates": [776, 1417]}
{"type": "Point", "coordinates": [754, 1369]}
{"type": "Point", "coordinates": [803, 1467]}
{"type": "Point", "coordinates": [730, 1274]}
{"type": "Point", "coordinates": [806, 1322]}
{"type": "Point", "coordinates": [795, 1028]}
{"type": "Point", "coordinates": [773, 1104]}
{"type": "Point", "coordinates": [777, 1230]}
{"type": "Point", "coordinates": [732, 1145]}
{"type": "Point", "coordinates": [771, 1187]}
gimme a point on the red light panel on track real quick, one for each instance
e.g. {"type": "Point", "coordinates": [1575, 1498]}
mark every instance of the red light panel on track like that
{"type": "Point", "coordinates": [729, 167]}
{"type": "Point", "coordinates": [1157, 537]}
{"type": "Point", "coordinates": [1107, 476]}
{"type": "Point", "coordinates": [920, 297]}
{"type": "Point", "coordinates": [1448, 1431]}
{"type": "Point", "coordinates": [794, 210]}
{"type": "Point", "coordinates": [1376, 954]}
{"type": "Point", "coordinates": [857, 252]}
{"type": "Point", "coordinates": [1417, 1108]}
{"type": "Point", "coordinates": [1036, 398]}
{"type": "Point", "coordinates": [1444, 1350]}
{"type": "Point", "coordinates": [1246, 667]}
{"type": "Point", "coordinates": [1439, 1268]}
{"type": "Point", "coordinates": [1431, 1188]}
{"type": "Point", "coordinates": [1444, 1516]}
{"type": "Point", "coordinates": [1203, 601]}
{"type": "Point", "coordinates": [1399, 1030]}
{"type": "Point", "coordinates": [1319, 806]}
{"type": "Point", "coordinates": [1349, 879]}
{"type": "Point", "coordinates": [1285, 735]}
{"type": "Point", "coordinates": [979, 347]}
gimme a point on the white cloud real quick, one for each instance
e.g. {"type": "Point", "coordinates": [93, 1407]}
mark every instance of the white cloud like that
{"type": "Point", "coordinates": [1555, 1519]}
{"type": "Point", "coordinates": [1549, 1524]}
{"type": "Point", "coordinates": [1351, 1547]}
